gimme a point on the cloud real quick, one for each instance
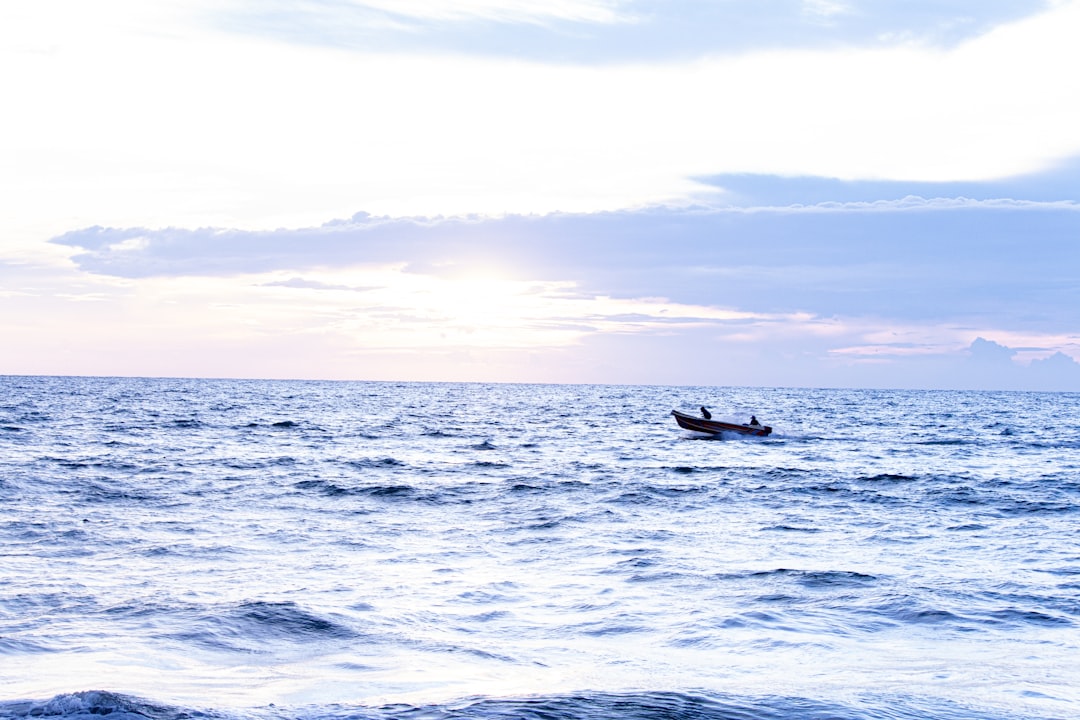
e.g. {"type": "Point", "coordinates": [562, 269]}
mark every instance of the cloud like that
{"type": "Point", "coordinates": [965, 262]}
{"type": "Point", "coordinates": [1054, 185]}
{"type": "Point", "coordinates": [825, 8]}
{"type": "Point", "coordinates": [302, 284]}
{"type": "Point", "coordinates": [503, 11]}
{"type": "Point", "coordinates": [231, 129]}
{"type": "Point", "coordinates": [598, 31]}
{"type": "Point", "coordinates": [487, 320]}
{"type": "Point", "coordinates": [1057, 370]}
{"type": "Point", "coordinates": [991, 364]}
{"type": "Point", "coordinates": [988, 352]}
{"type": "Point", "coordinates": [949, 293]}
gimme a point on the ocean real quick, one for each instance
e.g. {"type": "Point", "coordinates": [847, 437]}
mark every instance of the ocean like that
{"type": "Point", "coordinates": [229, 549]}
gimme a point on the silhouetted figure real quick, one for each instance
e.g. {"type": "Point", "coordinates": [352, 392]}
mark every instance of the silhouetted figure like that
{"type": "Point", "coordinates": [705, 413]}
{"type": "Point", "coordinates": [753, 421]}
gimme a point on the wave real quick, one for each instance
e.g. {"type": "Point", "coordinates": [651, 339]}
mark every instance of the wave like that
{"type": "Point", "coordinates": [326, 487]}
{"type": "Point", "coordinates": [375, 464]}
{"type": "Point", "coordinates": [817, 578]}
{"type": "Point", "coordinates": [888, 477]}
{"type": "Point", "coordinates": [92, 705]}
{"type": "Point", "coordinates": [132, 540]}
{"type": "Point", "coordinates": [261, 626]}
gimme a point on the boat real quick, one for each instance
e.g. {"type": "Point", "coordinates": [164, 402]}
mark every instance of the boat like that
{"type": "Point", "coordinates": [715, 427]}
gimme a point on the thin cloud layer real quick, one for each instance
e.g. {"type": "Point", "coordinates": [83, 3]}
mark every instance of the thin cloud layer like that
{"type": "Point", "coordinates": [214, 126]}
{"type": "Point", "coordinates": [918, 260]}
{"type": "Point", "coordinates": [864, 291]}
{"type": "Point", "coordinates": [1055, 184]}
{"type": "Point", "coordinates": [612, 31]}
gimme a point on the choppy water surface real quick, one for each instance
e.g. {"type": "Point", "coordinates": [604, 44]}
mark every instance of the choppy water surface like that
{"type": "Point", "coordinates": [194, 548]}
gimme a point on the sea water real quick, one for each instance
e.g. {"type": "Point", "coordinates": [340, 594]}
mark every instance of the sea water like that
{"type": "Point", "coordinates": [273, 549]}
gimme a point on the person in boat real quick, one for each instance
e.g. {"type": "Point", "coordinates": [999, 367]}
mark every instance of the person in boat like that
{"type": "Point", "coordinates": [705, 413]}
{"type": "Point", "coordinates": [754, 422]}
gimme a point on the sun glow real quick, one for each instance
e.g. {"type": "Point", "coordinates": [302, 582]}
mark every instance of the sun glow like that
{"type": "Point", "coordinates": [389, 307]}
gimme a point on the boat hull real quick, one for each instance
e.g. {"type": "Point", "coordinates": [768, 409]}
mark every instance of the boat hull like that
{"type": "Point", "coordinates": [715, 427]}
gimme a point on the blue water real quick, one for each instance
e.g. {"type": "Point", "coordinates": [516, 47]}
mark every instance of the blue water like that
{"type": "Point", "coordinates": [270, 549]}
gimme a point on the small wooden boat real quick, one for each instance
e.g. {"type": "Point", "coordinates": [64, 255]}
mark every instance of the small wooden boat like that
{"type": "Point", "coordinates": [715, 427]}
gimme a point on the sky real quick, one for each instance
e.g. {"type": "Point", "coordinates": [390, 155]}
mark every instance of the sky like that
{"type": "Point", "coordinates": [798, 193]}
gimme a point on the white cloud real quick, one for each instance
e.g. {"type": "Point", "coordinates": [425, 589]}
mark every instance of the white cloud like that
{"type": "Point", "coordinates": [189, 127]}
{"type": "Point", "coordinates": [528, 11]}
{"type": "Point", "coordinates": [825, 8]}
